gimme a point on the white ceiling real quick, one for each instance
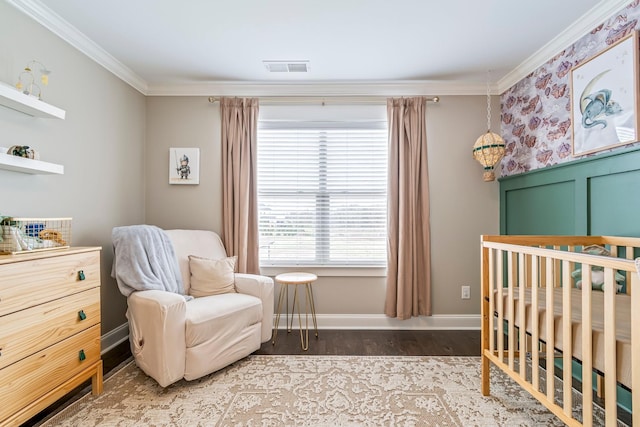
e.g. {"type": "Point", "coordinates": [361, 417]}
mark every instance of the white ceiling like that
{"type": "Point", "coordinates": [170, 45]}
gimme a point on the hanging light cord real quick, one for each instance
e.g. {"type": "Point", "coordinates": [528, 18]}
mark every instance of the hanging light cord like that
{"type": "Point", "coordinates": [488, 105]}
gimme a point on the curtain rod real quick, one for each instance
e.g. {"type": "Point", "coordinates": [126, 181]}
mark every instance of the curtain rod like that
{"type": "Point", "coordinates": [322, 100]}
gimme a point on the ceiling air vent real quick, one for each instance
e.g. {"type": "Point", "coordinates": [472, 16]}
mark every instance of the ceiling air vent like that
{"type": "Point", "coordinates": [287, 66]}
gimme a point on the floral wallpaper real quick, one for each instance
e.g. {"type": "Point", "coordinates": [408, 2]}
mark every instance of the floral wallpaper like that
{"type": "Point", "coordinates": [536, 111]}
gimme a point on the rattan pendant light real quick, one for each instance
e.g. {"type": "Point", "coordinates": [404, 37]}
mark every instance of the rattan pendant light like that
{"type": "Point", "coordinates": [489, 147]}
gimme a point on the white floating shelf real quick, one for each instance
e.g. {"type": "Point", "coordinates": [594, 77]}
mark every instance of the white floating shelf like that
{"type": "Point", "coordinates": [21, 164]}
{"type": "Point", "coordinates": [12, 98]}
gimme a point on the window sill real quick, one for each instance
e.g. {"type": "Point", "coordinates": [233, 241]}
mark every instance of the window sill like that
{"type": "Point", "coordinates": [349, 271]}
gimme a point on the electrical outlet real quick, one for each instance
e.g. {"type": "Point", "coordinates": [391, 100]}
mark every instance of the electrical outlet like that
{"type": "Point", "coordinates": [466, 292]}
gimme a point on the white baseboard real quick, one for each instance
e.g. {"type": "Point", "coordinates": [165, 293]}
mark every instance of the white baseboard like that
{"type": "Point", "coordinates": [380, 321]}
{"type": "Point", "coordinates": [114, 337]}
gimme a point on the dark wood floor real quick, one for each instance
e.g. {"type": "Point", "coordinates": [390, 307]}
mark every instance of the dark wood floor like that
{"type": "Point", "coordinates": [328, 342]}
{"type": "Point", "coordinates": [378, 343]}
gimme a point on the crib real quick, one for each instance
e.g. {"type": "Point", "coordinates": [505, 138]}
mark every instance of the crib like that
{"type": "Point", "coordinates": [534, 313]}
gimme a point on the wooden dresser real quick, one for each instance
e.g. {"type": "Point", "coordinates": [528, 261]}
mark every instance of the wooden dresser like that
{"type": "Point", "coordinates": [49, 328]}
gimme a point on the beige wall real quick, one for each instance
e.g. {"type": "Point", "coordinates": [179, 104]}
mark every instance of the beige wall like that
{"type": "Point", "coordinates": [100, 144]}
{"type": "Point", "coordinates": [462, 205]}
{"type": "Point", "coordinates": [183, 122]}
{"type": "Point", "coordinates": [115, 144]}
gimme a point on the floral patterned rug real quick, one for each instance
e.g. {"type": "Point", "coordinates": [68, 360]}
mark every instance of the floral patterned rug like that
{"type": "Point", "coordinates": [314, 391]}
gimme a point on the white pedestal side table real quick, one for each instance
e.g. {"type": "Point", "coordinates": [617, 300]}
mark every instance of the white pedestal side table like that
{"type": "Point", "coordinates": [296, 279]}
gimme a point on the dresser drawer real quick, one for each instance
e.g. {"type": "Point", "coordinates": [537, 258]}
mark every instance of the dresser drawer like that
{"type": "Point", "coordinates": [25, 332]}
{"type": "Point", "coordinates": [30, 378]}
{"type": "Point", "coordinates": [24, 284]}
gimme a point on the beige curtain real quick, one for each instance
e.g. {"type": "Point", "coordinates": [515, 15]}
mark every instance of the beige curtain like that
{"type": "Point", "coordinates": [409, 259]}
{"type": "Point", "coordinates": [239, 193]}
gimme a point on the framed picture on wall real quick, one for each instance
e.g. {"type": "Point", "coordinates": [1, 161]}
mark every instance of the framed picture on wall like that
{"type": "Point", "coordinates": [184, 165]}
{"type": "Point", "coordinates": [604, 98]}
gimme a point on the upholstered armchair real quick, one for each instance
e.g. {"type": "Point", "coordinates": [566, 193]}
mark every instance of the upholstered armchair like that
{"type": "Point", "coordinates": [174, 337]}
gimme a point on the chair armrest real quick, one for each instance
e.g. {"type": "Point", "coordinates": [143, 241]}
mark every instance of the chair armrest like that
{"type": "Point", "coordinates": [261, 287]}
{"type": "Point", "coordinates": [157, 334]}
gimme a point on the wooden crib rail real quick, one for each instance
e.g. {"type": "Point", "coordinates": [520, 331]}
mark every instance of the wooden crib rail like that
{"type": "Point", "coordinates": [533, 240]}
{"type": "Point", "coordinates": [539, 266]}
{"type": "Point", "coordinates": [559, 255]}
{"type": "Point", "coordinates": [526, 240]}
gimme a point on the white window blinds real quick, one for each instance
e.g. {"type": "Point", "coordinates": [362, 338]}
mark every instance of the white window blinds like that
{"type": "Point", "coordinates": [322, 193]}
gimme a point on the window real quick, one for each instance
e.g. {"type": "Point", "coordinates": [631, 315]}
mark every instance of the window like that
{"type": "Point", "coordinates": [322, 193]}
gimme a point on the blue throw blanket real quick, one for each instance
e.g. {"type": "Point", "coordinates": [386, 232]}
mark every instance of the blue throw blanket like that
{"type": "Point", "coordinates": [144, 259]}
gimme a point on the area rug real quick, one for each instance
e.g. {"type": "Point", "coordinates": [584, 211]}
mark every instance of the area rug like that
{"type": "Point", "coordinates": [314, 391]}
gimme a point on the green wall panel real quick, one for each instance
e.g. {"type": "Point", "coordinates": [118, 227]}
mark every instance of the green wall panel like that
{"type": "Point", "coordinates": [614, 204]}
{"type": "Point", "coordinates": [597, 195]}
{"type": "Point", "coordinates": [543, 209]}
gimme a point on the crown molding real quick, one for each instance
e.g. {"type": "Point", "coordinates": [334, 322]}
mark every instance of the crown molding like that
{"type": "Point", "coordinates": [40, 13]}
{"type": "Point", "coordinates": [587, 22]}
{"type": "Point", "coordinates": [320, 89]}
{"type": "Point", "coordinates": [36, 10]}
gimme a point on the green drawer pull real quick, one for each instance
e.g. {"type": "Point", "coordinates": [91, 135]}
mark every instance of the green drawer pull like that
{"type": "Point", "coordinates": [81, 355]}
{"type": "Point", "coordinates": [82, 315]}
{"type": "Point", "coordinates": [81, 275]}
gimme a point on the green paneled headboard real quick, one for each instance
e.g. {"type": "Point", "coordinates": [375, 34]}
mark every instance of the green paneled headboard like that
{"type": "Point", "coordinates": [598, 195]}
